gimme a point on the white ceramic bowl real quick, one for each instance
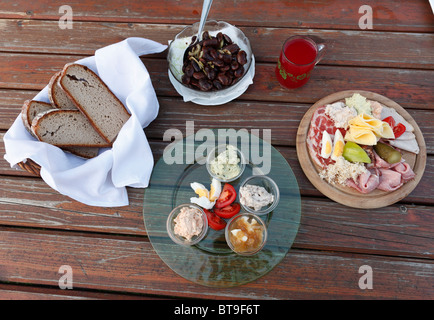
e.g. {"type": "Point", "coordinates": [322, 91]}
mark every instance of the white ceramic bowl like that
{"type": "Point", "coordinates": [182, 41]}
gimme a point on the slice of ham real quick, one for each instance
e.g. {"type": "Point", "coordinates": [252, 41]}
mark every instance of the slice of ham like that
{"type": "Point", "coordinates": [402, 167]}
{"type": "Point", "coordinates": [405, 170]}
{"type": "Point", "coordinates": [366, 182]}
{"type": "Point", "coordinates": [390, 180]}
{"type": "Point", "coordinates": [383, 176]}
{"type": "Point", "coordinates": [380, 163]}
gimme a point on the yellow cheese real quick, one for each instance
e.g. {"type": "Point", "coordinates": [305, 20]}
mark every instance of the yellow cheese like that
{"type": "Point", "coordinates": [387, 132]}
{"type": "Point", "coordinates": [366, 121]}
{"type": "Point", "coordinates": [361, 136]}
{"type": "Point", "coordinates": [367, 130]}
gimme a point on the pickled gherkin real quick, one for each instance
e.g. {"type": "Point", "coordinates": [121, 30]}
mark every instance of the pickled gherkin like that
{"type": "Point", "coordinates": [387, 153]}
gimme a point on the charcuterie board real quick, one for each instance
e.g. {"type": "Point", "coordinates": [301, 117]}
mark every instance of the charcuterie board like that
{"type": "Point", "coordinates": [347, 195]}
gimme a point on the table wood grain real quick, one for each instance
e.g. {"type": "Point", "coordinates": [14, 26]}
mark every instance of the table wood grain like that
{"type": "Point", "coordinates": [108, 248]}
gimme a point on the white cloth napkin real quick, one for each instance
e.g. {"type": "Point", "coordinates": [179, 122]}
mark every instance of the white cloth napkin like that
{"type": "Point", "coordinates": [101, 181]}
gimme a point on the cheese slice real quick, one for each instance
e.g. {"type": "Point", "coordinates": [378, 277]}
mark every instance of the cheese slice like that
{"type": "Point", "coordinates": [386, 131]}
{"type": "Point", "coordinates": [366, 121]}
{"type": "Point", "coordinates": [367, 130]}
{"type": "Point", "coordinates": [361, 136]}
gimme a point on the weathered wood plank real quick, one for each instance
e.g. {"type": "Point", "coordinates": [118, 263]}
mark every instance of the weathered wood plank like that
{"type": "Point", "coordinates": [410, 88]}
{"type": "Point", "coordinates": [19, 292]}
{"type": "Point", "coordinates": [422, 193]}
{"type": "Point", "coordinates": [344, 47]}
{"type": "Point", "coordinates": [400, 229]}
{"type": "Point", "coordinates": [31, 202]}
{"type": "Point", "coordinates": [282, 118]}
{"type": "Point", "coordinates": [23, 295]}
{"type": "Point", "coordinates": [341, 14]}
{"type": "Point", "coordinates": [107, 247]}
{"type": "Point", "coordinates": [133, 266]}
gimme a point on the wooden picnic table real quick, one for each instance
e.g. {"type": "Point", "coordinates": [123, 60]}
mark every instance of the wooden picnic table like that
{"type": "Point", "coordinates": [108, 248]}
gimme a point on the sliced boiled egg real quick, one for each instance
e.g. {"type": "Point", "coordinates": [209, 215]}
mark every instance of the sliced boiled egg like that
{"type": "Point", "coordinates": [203, 202]}
{"type": "Point", "coordinates": [326, 149]}
{"type": "Point", "coordinates": [200, 189]}
{"type": "Point", "coordinates": [216, 189]}
{"type": "Point", "coordinates": [206, 198]}
{"type": "Point", "coordinates": [338, 145]}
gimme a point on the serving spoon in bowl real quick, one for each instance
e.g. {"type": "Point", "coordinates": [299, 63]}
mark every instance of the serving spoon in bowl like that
{"type": "Point", "coordinates": [204, 15]}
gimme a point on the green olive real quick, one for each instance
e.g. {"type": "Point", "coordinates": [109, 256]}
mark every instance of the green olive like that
{"type": "Point", "coordinates": [387, 153]}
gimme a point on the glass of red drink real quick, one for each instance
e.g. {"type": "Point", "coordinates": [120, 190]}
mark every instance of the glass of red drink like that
{"type": "Point", "coordinates": [298, 57]}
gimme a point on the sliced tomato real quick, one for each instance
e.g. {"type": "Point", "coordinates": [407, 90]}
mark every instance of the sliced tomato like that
{"type": "Point", "coordinates": [227, 196]}
{"type": "Point", "coordinates": [390, 121]}
{"type": "Point", "coordinates": [214, 221]}
{"type": "Point", "coordinates": [228, 211]}
{"type": "Point", "coordinates": [399, 129]}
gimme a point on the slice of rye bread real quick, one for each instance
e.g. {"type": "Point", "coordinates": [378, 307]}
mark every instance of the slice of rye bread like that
{"type": "Point", "coordinates": [66, 128]}
{"type": "Point", "coordinates": [58, 96]}
{"type": "Point", "coordinates": [91, 95]}
{"type": "Point", "coordinates": [84, 152]}
{"type": "Point", "coordinates": [30, 110]}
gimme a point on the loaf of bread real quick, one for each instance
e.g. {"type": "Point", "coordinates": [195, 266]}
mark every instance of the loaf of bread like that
{"type": "Point", "coordinates": [66, 128]}
{"type": "Point", "coordinates": [83, 116]}
{"type": "Point", "coordinates": [94, 99]}
{"type": "Point", "coordinates": [57, 95]}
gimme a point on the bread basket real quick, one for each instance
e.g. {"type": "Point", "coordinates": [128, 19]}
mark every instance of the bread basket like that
{"type": "Point", "coordinates": [30, 166]}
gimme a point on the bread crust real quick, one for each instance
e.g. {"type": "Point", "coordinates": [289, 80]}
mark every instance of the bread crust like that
{"type": "Point", "coordinates": [97, 137]}
{"type": "Point", "coordinates": [54, 89]}
{"type": "Point", "coordinates": [82, 108]}
{"type": "Point", "coordinates": [38, 131]}
{"type": "Point", "coordinates": [24, 114]}
{"type": "Point", "coordinates": [53, 81]}
{"type": "Point", "coordinates": [26, 108]}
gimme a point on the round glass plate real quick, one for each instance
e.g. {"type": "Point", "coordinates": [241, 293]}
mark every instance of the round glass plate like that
{"type": "Point", "coordinates": [211, 262]}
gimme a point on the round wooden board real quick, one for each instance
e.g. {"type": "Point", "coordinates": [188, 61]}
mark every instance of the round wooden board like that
{"type": "Point", "coordinates": [346, 195]}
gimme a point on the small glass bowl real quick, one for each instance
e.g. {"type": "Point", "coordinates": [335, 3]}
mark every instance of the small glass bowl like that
{"type": "Point", "coordinates": [214, 153]}
{"type": "Point", "coordinates": [249, 216]}
{"type": "Point", "coordinates": [183, 39]}
{"type": "Point", "coordinates": [269, 185]}
{"type": "Point", "coordinates": [170, 225]}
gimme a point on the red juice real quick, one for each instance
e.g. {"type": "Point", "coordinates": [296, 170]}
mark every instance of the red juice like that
{"type": "Point", "coordinates": [297, 59]}
{"type": "Point", "coordinates": [300, 51]}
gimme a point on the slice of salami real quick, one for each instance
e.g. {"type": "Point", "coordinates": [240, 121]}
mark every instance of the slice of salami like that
{"type": "Point", "coordinates": [320, 122]}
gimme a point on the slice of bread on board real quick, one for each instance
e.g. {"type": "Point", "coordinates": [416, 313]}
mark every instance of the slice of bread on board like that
{"type": "Point", "coordinates": [91, 95]}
